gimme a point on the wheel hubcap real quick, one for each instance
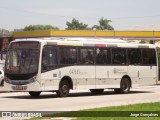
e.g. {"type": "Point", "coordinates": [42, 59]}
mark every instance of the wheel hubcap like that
{"type": "Point", "coordinates": [64, 89]}
{"type": "Point", "coordinates": [124, 86]}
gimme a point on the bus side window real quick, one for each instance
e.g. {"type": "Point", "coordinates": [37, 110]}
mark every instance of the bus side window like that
{"type": "Point", "coordinates": [89, 58]}
{"type": "Point", "coordinates": [86, 56]}
{"type": "Point", "coordinates": [134, 56]}
{"type": "Point", "coordinates": [49, 58]}
{"type": "Point", "coordinates": [118, 56]}
{"type": "Point", "coordinates": [68, 55]}
{"type": "Point", "coordinates": [102, 56]}
{"type": "Point", "coordinates": [149, 56]}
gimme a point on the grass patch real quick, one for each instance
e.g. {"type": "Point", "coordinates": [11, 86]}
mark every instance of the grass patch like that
{"type": "Point", "coordinates": [150, 111]}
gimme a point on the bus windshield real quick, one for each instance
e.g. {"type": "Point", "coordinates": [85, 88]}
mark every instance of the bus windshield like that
{"type": "Point", "coordinates": [22, 58]}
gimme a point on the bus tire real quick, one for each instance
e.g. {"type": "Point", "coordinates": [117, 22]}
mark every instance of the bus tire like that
{"type": "Point", "coordinates": [97, 91]}
{"type": "Point", "coordinates": [63, 89]}
{"type": "Point", "coordinates": [34, 94]}
{"type": "Point", "coordinates": [124, 86]}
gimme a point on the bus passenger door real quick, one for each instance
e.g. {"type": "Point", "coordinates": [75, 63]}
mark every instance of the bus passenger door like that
{"type": "Point", "coordinates": [85, 79]}
{"type": "Point", "coordinates": [49, 71]}
{"type": "Point", "coordinates": [103, 69]}
{"type": "Point", "coordinates": [134, 65]}
{"type": "Point", "coordinates": [148, 71]}
{"type": "Point", "coordinates": [142, 66]}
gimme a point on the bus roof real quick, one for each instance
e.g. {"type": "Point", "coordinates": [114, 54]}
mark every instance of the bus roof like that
{"type": "Point", "coordinates": [90, 42]}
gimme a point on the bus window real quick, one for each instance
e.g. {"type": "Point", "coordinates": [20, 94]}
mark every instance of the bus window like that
{"type": "Point", "coordinates": [102, 56]}
{"type": "Point", "coordinates": [118, 56]}
{"type": "Point", "coordinates": [149, 56]}
{"type": "Point", "coordinates": [68, 55]}
{"type": "Point", "coordinates": [134, 56]}
{"type": "Point", "coordinates": [49, 58]}
{"type": "Point", "coordinates": [86, 56]}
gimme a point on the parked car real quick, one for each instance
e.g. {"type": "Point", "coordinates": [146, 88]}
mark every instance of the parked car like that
{"type": "Point", "coordinates": [1, 77]}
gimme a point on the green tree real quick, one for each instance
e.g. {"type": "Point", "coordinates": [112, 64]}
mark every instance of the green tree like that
{"type": "Point", "coordinates": [39, 27]}
{"type": "Point", "coordinates": [103, 25]}
{"type": "Point", "coordinates": [76, 25]}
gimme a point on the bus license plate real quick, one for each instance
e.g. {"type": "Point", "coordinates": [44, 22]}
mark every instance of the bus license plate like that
{"type": "Point", "coordinates": [18, 87]}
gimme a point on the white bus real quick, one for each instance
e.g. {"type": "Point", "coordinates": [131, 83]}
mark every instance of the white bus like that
{"type": "Point", "coordinates": [59, 65]}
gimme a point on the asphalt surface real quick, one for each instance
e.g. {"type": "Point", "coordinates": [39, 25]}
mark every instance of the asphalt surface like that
{"type": "Point", "coordinates": [77, 100]}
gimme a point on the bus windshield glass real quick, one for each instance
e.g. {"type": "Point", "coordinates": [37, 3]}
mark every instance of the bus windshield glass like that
{"type": "Point", "coordinates": [22, 58]}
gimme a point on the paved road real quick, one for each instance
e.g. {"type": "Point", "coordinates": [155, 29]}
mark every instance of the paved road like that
{"type": "Point", "coordinates": [21, 101]}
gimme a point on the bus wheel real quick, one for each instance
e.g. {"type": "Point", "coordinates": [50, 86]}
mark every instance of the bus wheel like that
{"type": "Point", "coordinates": [124, 87]}
{"type": "Point", "coordinates": [97, 91]}
{"type": "Point", "coordinates": [34, 94]}
{"type": "Point", "coordinates": [63, 89]}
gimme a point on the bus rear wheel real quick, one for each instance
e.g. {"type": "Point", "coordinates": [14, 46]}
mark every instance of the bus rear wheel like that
{"type": "Point", "coordinates": [63, 89]}
{"type": "Point", "coordinates": [124, 86]}
{"type": "Point", "coordinates": [97, 91]}
{"type": "Point", "coordinates": [34, 94]}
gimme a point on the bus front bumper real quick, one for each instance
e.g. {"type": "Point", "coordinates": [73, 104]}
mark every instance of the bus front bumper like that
{"type": "Point", "coordinates": [35, 86]}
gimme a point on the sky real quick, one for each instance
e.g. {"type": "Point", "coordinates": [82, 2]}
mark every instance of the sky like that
{"type": "Point", "coordinates": [124, 14]}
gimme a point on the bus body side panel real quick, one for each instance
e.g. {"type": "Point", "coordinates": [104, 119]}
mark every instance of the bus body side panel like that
{"type": "Point", "coordinates": [109, 76]}
{"type": "Point", "coordinates": [147, 75]}
{"type": "Point", "coordinates": [83, 77]}
{"type": "Point", "coordinates": [133, 72]}
{"type": "Point", "coordinates": [50, 80]}
{"type": "Point", "coordinates": [142, 75]}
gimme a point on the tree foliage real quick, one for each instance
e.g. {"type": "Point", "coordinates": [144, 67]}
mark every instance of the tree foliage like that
{"type": "Point", "coordinates": [103, 25]}
{"type": "Point", "coordinates": [40, 27]}
{"type": "Point", "coordinates": [76, 25]}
